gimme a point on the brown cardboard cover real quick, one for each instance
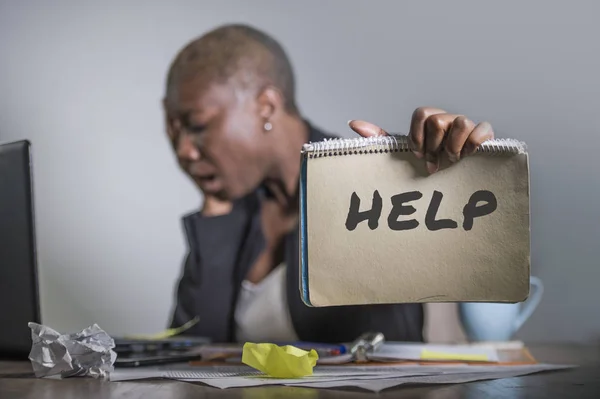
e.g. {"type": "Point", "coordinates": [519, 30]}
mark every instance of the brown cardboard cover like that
{"type": "Point", "coordinates": [490, 262]}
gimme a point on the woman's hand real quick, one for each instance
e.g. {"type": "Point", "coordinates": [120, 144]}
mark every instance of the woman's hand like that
{"type": "Point", "coordinates": [433, 130]}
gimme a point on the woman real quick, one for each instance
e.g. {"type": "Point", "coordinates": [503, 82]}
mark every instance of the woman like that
{"type": "Point", "coordinates": [233, 121]}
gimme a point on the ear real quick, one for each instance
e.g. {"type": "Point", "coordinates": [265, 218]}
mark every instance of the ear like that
{"type": "Point", "coordinates": [270, 103]}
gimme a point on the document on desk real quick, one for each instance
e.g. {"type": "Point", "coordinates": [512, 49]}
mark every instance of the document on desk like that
{"type": "Point", "coordinates": [458, 375]}
{"type": "Point", "coordinates": [373, 378]}
{"type": "Point", "coordinates": [248, 376]}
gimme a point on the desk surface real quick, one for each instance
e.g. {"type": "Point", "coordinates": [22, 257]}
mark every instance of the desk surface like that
{"type": "Point", "coordinates": [582, 382]}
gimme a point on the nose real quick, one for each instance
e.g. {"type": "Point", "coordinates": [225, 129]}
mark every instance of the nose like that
{"type": "Point", "coordinates": [186, 149]}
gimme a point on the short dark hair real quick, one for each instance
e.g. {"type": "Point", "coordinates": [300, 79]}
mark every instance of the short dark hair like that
{"type": "Point", "coordinates": [246, 54]}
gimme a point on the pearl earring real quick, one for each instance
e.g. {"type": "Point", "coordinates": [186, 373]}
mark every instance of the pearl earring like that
{"type": "Point", "coordinates": [268, 126]}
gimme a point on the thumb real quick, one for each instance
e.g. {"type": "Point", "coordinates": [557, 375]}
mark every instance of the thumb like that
{"type": "Point", "coordinates": [366, 129]}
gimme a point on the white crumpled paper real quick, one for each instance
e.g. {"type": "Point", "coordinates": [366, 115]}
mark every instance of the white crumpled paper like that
{"type": "Point", "coordinates": [86, 353]}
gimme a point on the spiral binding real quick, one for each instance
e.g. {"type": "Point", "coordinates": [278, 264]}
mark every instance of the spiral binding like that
{"type": "Point", "coordinates": [395, 143]}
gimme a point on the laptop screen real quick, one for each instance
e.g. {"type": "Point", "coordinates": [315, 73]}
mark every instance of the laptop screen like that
{"type": "Point", "coordinates": [19, 301]}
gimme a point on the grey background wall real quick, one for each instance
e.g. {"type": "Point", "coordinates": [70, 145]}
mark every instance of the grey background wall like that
{"type": "Point", "coordinates": [83, 80]}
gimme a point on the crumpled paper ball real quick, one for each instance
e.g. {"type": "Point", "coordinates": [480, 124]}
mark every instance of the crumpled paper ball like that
{"type": "Point", "coordinates": [85, 353]}
{"type": "Point", "coordinates": [279, 361]}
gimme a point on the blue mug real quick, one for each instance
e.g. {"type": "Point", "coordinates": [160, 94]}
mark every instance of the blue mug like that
{"type": "Point", "coordinates": [483, 321]}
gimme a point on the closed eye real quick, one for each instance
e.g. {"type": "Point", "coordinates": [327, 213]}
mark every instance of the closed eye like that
{"type": "Point", "coordinates": [190, 125]}
{"type": "Point", "coordinates": [195, 128]}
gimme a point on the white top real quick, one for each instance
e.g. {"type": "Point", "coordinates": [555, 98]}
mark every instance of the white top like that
{"type": "Point", "coordinates": [261, 313]}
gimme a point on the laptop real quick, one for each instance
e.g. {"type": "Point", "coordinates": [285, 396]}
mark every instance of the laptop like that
{"type": "Point", "coordinates": [19, 297]}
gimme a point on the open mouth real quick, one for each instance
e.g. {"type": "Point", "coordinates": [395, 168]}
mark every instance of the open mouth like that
{"type": "Point", "coordinates": [209, 183]}
{"type": "Point", "coordinates": [207, 178]}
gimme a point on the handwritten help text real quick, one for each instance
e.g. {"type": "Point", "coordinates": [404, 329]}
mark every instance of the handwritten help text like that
{"type": "Point", "coordinates": [397, 219]}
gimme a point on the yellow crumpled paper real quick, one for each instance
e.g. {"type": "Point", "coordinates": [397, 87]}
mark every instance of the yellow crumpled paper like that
{"type": "Point", "coordinates": [279, 361]}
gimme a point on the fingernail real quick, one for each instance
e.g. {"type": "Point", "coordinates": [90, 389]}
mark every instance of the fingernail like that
{"type": "Point", "coordinates": [431, 167]}
{"type": "Point", "coordinates": [432, 163]}
{"type": "Point", "coordinates": [469, 149]}
{"type": "Point", "coordinates": [350, 121]}
{"type": "Point", "coordinates": [453, 157]}
{"type": "Point", "coordinates": [412, 146]}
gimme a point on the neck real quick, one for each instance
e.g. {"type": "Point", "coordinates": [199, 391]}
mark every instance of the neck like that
{"type": "Point", "coordinates": [283, 178]}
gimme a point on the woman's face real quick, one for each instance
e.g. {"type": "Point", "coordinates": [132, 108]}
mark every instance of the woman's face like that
{"type": "Point", "coordinates": [218, 137]}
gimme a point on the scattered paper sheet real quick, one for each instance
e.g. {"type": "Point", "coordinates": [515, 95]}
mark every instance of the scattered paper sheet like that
{"type": "Point", "coordinates": [372, 378]}
{"type": "Point", "coordinates": [377, 385]}
{"type": "Point", "coordinates": [189, 373]}
{"type": "Point", "coordinates": [335, 381]}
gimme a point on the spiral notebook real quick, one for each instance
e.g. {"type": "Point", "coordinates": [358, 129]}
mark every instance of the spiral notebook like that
{"type": "Point", "coordinates": [376, 228]}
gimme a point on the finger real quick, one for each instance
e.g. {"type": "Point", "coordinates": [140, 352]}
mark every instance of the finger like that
{"type": "Point", "coordinates": [457, 136]}
{"type": "Point", "coordinates": [481, 133]}
{"type": "Point", "coordinates": [366, 129]}
{"type": "Point", "coordinates": [436, 128]}
{"type": "Point", "coordinates": [416, 135]}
